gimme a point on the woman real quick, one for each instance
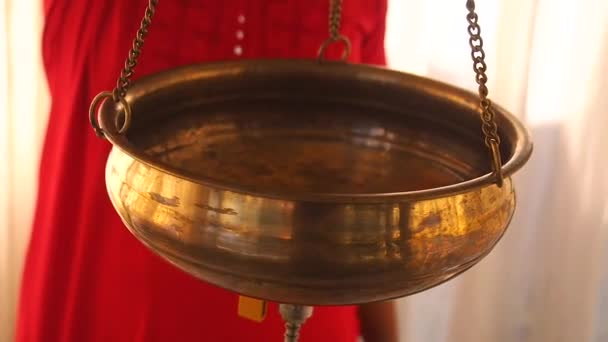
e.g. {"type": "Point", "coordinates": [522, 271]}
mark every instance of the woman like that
{"type": "Point", "coordinates": [86, 278]}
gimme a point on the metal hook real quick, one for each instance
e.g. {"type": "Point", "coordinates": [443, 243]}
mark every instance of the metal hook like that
{"type": "Point", "coordinates": [93, 113]}
{"type": "Point", "coordinates": [340, 39]}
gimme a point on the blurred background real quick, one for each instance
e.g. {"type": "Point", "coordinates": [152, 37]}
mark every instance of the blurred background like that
{"type": "Point", "coordinates": [547, 280]}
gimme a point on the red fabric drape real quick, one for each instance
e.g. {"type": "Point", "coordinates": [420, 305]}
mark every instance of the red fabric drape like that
{"type": "Point", "coordinates": [86, 278]}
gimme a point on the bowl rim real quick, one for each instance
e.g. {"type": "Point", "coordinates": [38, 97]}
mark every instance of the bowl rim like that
{"type": "Point", "coordinates": [522, 144]}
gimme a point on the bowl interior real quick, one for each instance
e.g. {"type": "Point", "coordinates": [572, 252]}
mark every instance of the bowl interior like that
{"type": "Point", "coordinates": [312, 148]}
{"type": "Point", "coordinates": [306, 128]}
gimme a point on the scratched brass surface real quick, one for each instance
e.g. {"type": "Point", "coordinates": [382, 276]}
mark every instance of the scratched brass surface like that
{"type": "Point", "coordinates": [309, 183]}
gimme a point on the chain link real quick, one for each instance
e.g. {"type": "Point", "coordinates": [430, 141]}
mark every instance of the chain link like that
{"type": "Point", "coordinates": [489, 127]}
{"type": "Point", "coordinates": [124, 81]}
{"type": "Point", "coordinates": [335, 17]}
{"type": "Point", "coordinates": [122, 85]}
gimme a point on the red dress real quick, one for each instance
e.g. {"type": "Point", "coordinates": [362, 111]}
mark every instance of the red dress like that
{"type": "Point", "coordinates": [86, 277]}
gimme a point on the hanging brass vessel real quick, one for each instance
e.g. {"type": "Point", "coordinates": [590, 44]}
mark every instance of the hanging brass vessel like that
{"type": "Point", "coordinates": [311, 183]}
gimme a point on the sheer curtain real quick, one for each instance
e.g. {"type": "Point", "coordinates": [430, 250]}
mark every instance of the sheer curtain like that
{"type": "Point", "coordinates": [23, 112]}
{"type": "Point", "coordinates": [547, 280]}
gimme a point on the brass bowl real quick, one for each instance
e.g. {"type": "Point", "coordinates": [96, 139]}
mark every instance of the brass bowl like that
{"type": "Point", "coordinates": [310, 183]}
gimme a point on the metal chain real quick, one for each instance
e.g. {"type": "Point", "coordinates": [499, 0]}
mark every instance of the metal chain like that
{"type": "Point", "coordinates": [124, 81]}
{"type": "Point", "coordinates": [122, 85]}
{"type": "Point", "coordinates": [489, 127]}
{"type": "Point", "coordinates": [335, 17]}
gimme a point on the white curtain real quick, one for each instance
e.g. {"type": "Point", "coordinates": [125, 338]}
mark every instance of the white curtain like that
{"type": "Point", "coordinates": [547, 280]}
{"type": "Point", "coordinates": [23, 114]}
